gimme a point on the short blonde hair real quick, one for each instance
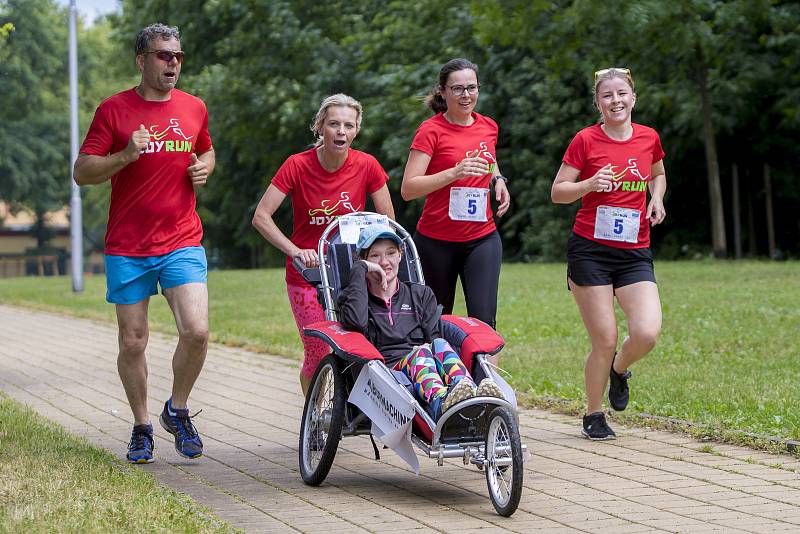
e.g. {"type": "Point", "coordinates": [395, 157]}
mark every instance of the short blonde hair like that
{"type": "Point", "coordinates": [607, 74]}
{"type": "Point", "coordinates": [339, 99]}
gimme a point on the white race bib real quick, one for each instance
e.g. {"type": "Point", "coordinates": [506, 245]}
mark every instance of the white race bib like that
{"type": "Point", "coordinates": [350, 225]}
{"type": "Point", "coordinates": [468, 204]}
{"type": "Point", "coordinates": [617, 224]}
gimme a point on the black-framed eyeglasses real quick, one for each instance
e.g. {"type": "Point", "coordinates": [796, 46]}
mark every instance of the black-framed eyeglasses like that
{"type": "Point", "coordinates": [167, 55]}
{"type": "Point", "coordinates": [459, 90]}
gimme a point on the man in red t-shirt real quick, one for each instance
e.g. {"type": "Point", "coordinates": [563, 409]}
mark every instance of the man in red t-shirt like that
{"type": "Point", "coordinates": [152, 142]}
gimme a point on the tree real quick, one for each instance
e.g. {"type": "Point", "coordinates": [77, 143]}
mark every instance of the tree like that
{"type": "Point", "coordinates": [263, 67]}
{"type": "Point", "coordinates": [34, 113]}
{"type": "Point", "coordinates": [698, 64]}
{"type": "Point", "coordinates": [718, 80]}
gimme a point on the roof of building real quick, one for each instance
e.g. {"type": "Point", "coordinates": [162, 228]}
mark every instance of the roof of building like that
{"type": "Point", "coordinates": [23, 220]}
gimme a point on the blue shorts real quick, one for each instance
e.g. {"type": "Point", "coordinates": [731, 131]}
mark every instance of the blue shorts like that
{"type": "Point", "coordinates": [131, 279]}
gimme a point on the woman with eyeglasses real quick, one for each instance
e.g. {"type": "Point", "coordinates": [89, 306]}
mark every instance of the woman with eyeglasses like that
{"type": "Point", "coordinates": [452, 163]}
{"type": "Point", "coordinates": [610, 166]}
{"type": "Point", "coordinates": [329, 180]}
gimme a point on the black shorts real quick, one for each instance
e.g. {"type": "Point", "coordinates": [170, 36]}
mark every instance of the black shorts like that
{"type": "Point", "coordinates": [590, 263]}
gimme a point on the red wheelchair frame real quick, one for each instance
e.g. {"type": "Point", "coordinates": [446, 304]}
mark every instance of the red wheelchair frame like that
{"type": "Point", "coordinates": [482, 431]}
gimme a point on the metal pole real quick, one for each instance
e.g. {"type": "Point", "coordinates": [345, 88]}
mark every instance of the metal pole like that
{"type": "Point", "coordinates": [75, 210]}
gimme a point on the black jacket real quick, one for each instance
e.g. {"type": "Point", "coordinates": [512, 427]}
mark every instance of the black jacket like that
{"type": "Point", "coordinates": [394, 327]}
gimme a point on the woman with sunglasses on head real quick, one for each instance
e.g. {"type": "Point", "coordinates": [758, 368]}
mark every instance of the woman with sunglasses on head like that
{"type": "Point", "coordinates": [329, 180]}
{"type": "Point", "coordinates": [452, 163]}
{"type": "Point", "coordinates": [610, 166]}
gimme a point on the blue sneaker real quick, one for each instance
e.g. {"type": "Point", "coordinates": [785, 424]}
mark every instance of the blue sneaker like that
{"type": "Point", "coordinates": [140, 448]}
{"type": "Point", "coordinates": [179, 424]}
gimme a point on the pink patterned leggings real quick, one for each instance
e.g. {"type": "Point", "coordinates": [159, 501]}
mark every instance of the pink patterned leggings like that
{"type": "Point", "coordinates": [306, 310]}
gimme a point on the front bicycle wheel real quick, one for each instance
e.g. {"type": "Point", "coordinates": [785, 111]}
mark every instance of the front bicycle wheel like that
{"type": "Point", "coordinates": [503, 461]}
{"type": "Point", "coordinates": [323, 416]}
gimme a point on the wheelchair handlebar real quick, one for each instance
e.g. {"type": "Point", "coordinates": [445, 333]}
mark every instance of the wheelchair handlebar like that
{"type": "Point", "coordinates": [309, 274]}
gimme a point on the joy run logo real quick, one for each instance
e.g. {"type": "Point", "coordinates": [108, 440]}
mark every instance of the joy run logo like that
{"type": "Point", "coordinates": [639, 184]}
{"type": "Point", "coordinates": [159, 144]}
{"type": "Point", "coordinates": [325, 214]}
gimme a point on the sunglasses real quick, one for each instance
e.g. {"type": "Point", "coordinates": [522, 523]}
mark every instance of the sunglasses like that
{"type": "Point", "coordinates": [167, 55]}
{"type": "Point", "coordinates": [603, 72]}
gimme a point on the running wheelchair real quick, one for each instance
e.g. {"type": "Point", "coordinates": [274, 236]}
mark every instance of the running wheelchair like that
{"type": "Point", "coordinates": [482, 431]}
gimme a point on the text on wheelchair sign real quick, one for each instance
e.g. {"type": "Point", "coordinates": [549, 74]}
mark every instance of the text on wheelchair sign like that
{"type": "Point", "coordinates": [389, 410]}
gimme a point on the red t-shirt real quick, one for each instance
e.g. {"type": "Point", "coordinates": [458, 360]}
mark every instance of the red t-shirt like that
{"type": "Point", "coordinates": [318, 196]}
{"type": "Point", "coordinates": [631, 161]}
{"type": "Point", "coordinates": [447, 144]}
{"type": "Point", "coordinates": [152, 199]}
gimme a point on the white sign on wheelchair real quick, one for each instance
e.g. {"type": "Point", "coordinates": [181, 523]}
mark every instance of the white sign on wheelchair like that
{"type": "Point", "coordinates": [390, 410]}
{"type": "Point", "coordinates": [350, 225]}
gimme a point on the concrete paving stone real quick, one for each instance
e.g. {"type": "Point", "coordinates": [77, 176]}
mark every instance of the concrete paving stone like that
{"type": "Point", "coordinates": [709, 528]}
{"type": "Point", "coordinates": [754, 524]}
{"type": "Point", "coordinates": [645, 481]}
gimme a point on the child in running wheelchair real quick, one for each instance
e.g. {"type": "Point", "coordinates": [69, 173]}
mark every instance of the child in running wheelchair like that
{"type": "Point", "coordinates": [401, 320]}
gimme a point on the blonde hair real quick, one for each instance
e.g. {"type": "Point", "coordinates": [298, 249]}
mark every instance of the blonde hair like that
{"type": "Point", "coordinates": [338, 99]}
{"type": "Point", "coordinates": [607, 74]}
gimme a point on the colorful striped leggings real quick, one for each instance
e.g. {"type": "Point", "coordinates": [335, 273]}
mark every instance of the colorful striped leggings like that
{"type": "Point", "coordinates": [432, 369]}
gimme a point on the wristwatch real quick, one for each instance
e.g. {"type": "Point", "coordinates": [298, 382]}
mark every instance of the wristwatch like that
{"type": "Point", "coordinates": [499, 177]}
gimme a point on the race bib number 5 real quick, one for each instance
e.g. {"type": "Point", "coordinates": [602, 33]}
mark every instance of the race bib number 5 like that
{"type": "Point", "coordinates": [617, 224]}
{"type": "Point", "coordinates": [468, 204]}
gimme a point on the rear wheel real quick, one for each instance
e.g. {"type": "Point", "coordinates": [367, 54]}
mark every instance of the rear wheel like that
{"type": "Point", "coordinates": [503, 461]}
{"type": "Point", "coordinates": [323, 415]}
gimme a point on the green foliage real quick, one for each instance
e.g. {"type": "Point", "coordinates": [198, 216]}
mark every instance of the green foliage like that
{"type": "Point", "coordinates": [35, 160]}
{"type": "Point", "coordinates": [263, 66]}
{"type": "Point", "coordinates": [34, 118]}
{"type": "Point", "coordinates": [5, 29]}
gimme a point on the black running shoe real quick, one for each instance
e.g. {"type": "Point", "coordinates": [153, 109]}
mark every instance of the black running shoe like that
{"type": "Point", "coordinates": [140, 448]}
{"type": "Point", "coordinates": [596, 428]}
{"type": "Point", "coordinates": [179, 424]}
{"type": "Point", "coordinates": [618, 391]}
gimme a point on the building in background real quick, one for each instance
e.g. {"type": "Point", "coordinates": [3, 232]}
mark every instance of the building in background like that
{"type": "Point", "coordinates": [19, 254]}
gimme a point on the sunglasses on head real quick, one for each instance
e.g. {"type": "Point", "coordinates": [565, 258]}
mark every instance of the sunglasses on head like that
{"type": "Point", "coordinates": [167, 55]}
{"type": "Point", "coordinates": [603, 72]}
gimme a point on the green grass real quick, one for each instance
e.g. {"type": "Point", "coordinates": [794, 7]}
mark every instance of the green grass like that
{"type": "Point", "coordinates": [727, 356]}
{"type": "Point", "coordinates": [54, 482]}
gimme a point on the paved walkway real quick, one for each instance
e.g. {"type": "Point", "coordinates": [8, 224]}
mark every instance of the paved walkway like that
{"type": "Point", "coordinates": [645, 481]}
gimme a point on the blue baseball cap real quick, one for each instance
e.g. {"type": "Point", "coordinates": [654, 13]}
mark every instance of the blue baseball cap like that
{"type": "Point", "coordinates": [376, 231]}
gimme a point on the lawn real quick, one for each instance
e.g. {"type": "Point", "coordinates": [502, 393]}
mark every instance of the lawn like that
{"type": "Point", "coordinates": [54, 482]}
{"type": "Point", "coordinates": [727, 356]}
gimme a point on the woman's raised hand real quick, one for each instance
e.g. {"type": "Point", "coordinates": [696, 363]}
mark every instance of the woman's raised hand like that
{"type": "Point", "coordinates": [601, 181]}
{"type": "Point", "coordinates": [471, 166]}
{"type": "Point", "coordinates": [376, 273]}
